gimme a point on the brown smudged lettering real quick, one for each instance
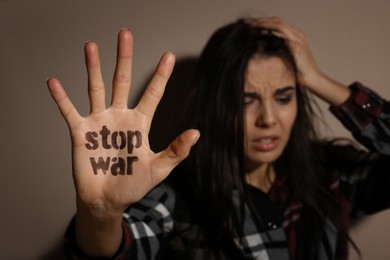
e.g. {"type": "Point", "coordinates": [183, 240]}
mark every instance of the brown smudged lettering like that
{"type": "Point", "coordinates": [100, 164]}
{"type": "Point", "coordinates": [119, 139]}
{"type": "Point", "coordinates": [130, 161]}
{"type": "Point", "coordinates": [93, 142]}
{"type": "Point", "coordinates": [131, 143]}
{"type": "Point", "coordinates": [114, 140]}
{"type": "Point", "coordinates": [105, 133]}
{"type": "Point", "coordinates": [118, 166]}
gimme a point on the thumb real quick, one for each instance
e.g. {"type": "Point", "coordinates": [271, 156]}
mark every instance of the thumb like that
{"type": "Point", "coordinates": [176, 152]}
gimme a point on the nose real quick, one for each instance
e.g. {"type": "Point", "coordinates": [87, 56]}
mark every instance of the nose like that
{"type": "Point", "coordinates": [266, 116]}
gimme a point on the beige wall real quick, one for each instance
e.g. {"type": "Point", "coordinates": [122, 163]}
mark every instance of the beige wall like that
{"type": "Point", "coordinates": [350, 40]}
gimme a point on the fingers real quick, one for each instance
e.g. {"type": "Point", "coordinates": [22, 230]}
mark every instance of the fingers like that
{"type": "Point", "coordinates": [66, 107]}
{"type": "Point", "coordinates": [279, 28]}
{"type": "Point", "coordinates": [95, 81]}
{"type": "Point", "coordinates": [155, 90]}
{"type": "Point", "coordinates": [177, 151]}
{"type": "Point", "coordinates": [122, 75]}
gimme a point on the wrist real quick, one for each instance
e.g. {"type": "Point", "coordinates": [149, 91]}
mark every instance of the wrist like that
{"type": "Point", "coordinates": [328, 89]}
{"type": "Point", "coordinates": [98, 235]}
{"type": "Point", "coordinates": [99, 215]}
{"type": "Point", "coordinates": [315, 80]}
{"type": "Point", "coordinates": [99, 209]}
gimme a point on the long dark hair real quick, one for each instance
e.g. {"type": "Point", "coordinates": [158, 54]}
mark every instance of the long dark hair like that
{"type": "Point", "coordinates": [216, 167]}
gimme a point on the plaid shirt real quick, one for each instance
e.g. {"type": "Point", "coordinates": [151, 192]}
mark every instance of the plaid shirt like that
{"type": "Point", "coordinates": [151, 227]}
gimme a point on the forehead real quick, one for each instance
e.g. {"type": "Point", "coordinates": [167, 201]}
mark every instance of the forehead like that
{"type": "Point", "coordinates": [268, 73]}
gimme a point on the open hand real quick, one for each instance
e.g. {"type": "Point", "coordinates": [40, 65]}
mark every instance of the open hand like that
{"type": "Point", "coordinates": [113, 165]}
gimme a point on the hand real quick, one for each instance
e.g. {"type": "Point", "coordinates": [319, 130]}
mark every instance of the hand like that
{"type": "Point", "coordinates": [113, 165]}
{"type": "Point", "coordinates": [308, 71]}
{"type": "Point", "coordinates": [309, 75]}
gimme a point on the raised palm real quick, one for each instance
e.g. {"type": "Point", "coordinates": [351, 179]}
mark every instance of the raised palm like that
{"type": "Point", "coordinates": [113, 165]}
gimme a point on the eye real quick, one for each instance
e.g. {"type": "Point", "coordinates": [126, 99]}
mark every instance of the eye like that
{"type": "Point", "coordinates": [285, 95]}
{"type": "Point", "coordinates": [283, 99]}
{"type": "Point", "coordinates": [249, 98]}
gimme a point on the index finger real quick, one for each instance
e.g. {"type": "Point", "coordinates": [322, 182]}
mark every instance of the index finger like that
{"type": "Point", "coordinates": [278, 27]}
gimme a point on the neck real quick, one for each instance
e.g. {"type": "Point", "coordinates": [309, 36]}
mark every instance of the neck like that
{"type": "Point", "coordinates": [261, 177]}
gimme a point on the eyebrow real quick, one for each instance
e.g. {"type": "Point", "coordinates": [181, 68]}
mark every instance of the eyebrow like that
{"type": "Point", "coordinates": [279, 91]}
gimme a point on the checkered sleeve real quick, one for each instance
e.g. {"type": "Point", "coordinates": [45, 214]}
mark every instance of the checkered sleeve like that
{"type": "Point", "coordinates": [364, 175]}
{"type": "Point", "coordinates": [73, 252]}
{"type": "Point", "coordinates": [367, 116]}
{"type": "Point", "coordinates": [150, 222]}
{"type": "Point", "coordinates": [146, 226]}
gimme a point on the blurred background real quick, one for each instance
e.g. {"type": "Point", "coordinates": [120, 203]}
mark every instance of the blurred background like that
{"type": "Point", "coordinates": [350, 40]}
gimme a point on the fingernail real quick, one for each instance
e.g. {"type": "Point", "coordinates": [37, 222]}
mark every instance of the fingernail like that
{"type": "Point", "coordinates": [174, 53]}
{"type": "Point", "coordinates": [196, 139]}
{"type": "Point", "coordinates": [250, 22]}
{"type": "Point", "coordinates": [88, 41]}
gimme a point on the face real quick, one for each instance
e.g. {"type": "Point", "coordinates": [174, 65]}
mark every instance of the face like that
{"type": "Point", "coordinates": [270, 110]}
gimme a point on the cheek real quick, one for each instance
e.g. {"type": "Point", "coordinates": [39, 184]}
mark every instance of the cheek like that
{"type": "Point", "coordinates": [249, 117]}
{"type": "Point", "coordinates": [288, 117]}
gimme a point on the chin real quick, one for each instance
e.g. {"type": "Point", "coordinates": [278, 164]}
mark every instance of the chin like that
{"type": "Point", "coordinates": [262, 159]}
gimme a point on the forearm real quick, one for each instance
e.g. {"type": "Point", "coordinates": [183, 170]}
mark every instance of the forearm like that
{"type": "Point", "coordinates": [98, 236]}
{"type": "Point", "coordinates": [328, 89]}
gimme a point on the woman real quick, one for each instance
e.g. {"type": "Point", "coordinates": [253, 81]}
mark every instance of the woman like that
{"type": "Point", "coordinates": [258, 184]}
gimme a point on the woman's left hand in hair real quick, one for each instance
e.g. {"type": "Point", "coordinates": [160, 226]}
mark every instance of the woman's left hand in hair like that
{"type": "Point", "coordinates": [308, 71]}
{"type": "Point", "coordinates": [309, 74]}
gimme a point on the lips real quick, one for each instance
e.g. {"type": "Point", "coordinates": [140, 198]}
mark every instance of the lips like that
{"type": "Point", "coordinates": [265, 143]}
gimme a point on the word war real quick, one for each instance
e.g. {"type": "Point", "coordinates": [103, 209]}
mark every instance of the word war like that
{"type": "Point", "coordinates": [120, 166]}
{"type": "Point", "coordinates": [118, 140]}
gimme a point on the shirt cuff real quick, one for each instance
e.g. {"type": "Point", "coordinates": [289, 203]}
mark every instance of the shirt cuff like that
{"type": "Point", "coordinates": [360, 109]}
{"type": "Point", "coordinates": [73, 252]}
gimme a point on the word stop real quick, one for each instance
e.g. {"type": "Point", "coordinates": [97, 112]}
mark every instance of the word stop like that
{"type": "Point", "coordinates": [117, 140]}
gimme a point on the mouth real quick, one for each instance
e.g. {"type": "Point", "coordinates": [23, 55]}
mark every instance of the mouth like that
{"type": "Point", "coordinates": [265, 143]}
